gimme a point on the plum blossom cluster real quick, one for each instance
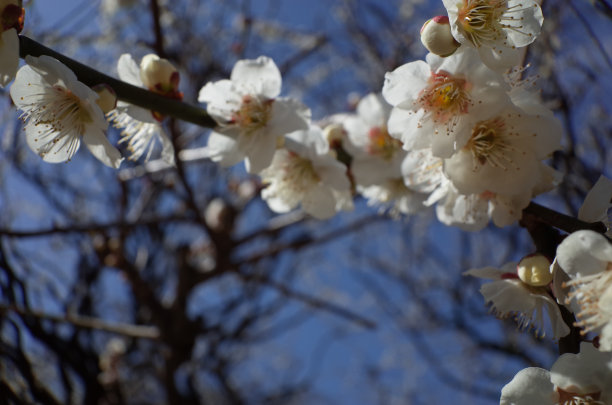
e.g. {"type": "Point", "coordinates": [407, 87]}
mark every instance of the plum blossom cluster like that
{"type": "Point", "coordinates": [461, 132]}
{"type": "Point", "coordinates": [488, 133]}
{"type": "Point", "coordinates": [579, 279]}
{"type": "Point", "coordinates": [574, 379]}
{"type": "Point", "coordinates": [453, 132]}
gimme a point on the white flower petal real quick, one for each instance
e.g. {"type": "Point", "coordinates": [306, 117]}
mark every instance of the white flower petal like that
{"type": "Point", "coordinates": [584, 253]}
{"type": "Point", "coordinates": [128, 70]}
{"type": "Point", "coordinates": [288, 115]}
{"type": "Point", "coordinates": [405, 82]}
{"type": "Point", "coordinates": [224, 149]}
{"type": "Point", "coordinates": [260, 74]}
{"type": "Point", "coordinates": [583, 373]}
{"type": "Point", "coordinates": [320, 202]}
{"type": "Point", "coordinates": [222, 99]}
{"type": "Point", "coordinates": [373, 110]}
{"type": "Point", "coordinates": [259, 155]}
{"type": "Point", "coordinates": [101, 148]}
{"type": "Point", "coordinates": [530, 386]}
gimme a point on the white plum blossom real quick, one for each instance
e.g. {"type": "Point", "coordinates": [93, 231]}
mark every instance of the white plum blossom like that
{"type": "Point", "coordinates": [142, 137]}
{"type": "Point", "coordinates": [436, 104]}
{"type": "Point", "coordinates": [142, 128]}
{"type": "Point", "coordinates": [60, 111]}
{"type": "Point", "coordinates": [521, 290]}
{"type": "Point", "coordinates": [574, 379]}
{"type": "Point", "coordinates": [496, 28]}
{"type": "Point", "coordinates": [304, 172]}
{"type": "Point", "coordinates": [472, 212]}
{"type": "Point", "coordinates": [504, 151]}
{"type": "Point", "coordinates": [394, 195]}
{"type": "Point", "coordinates": [252, 118]}
{"type": "Point", "coordinates": [586, 257]}
{"type": "Point", "coordinates": [11, 20]}
{"type": "Point", "coordinates": [376, 156]}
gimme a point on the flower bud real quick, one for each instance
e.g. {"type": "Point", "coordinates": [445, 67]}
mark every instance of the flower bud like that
{"type": "Point", "coordinates": [436, 36]}
{"type": "Point", "coordinates": [534, 270]}
{"type": "Point", "coordinates": [11, 15]}
{"type": "Point", "coordinates": [159, 75]}
{"type": "Point", "coordinates": [107, 98]}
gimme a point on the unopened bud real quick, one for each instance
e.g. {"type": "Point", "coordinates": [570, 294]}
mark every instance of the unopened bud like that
{"type": "Point", "coordinates": [334, 133]}
{"type": "Point", "coordinates": [218, 215]}
{"type": "Point", "coordinates": [158, 74]}
{"type": "Point", "coordinates": [107, 98]}
{"type": "Point", "coordinates": [534, 270]}
{"type": "Point", "coordinates": [11, 15]}
{"type": "Point", "coordinates": [436, 36]}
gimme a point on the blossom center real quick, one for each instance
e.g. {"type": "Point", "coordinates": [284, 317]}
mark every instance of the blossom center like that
{"type": "Point", "coordinates": [299, 173]}
{"type": "Point", "coordinates": [253, 114]}
{"type": "Point", "coordinates": [588, 291]}
{"type": "Point", "coordinates": [570, 398]}
{"type": "Point", "coordinates": [59, 115]}
{"type": "Point", "coordinates": [71, 109]}
{"type": "Point", "coordinates": [488, 144]}
{"type": "Point", "coordinates": [445, 96]}
{"type": "Point", "coordinates": [481, 20]}
{"type": "Point", "coordinates": [381, 143]}
{"type": "Point", "coordinates": [290, 176]}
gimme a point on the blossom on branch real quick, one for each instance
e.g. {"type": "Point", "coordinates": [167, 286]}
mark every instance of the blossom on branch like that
{"type": "Point", "coordinates": [437, 103]}
{"type": "Point", "coordinates": [11, 20]}
{"type": "Point", "coordinates": [142, 128]}
{"type": "Point", "coordinates": [586, 257]}
{"type": "Point", "coordinates": [521, 290]}
{"type": "Point", "coordinates": [496, 28]}
{"type": "Point", "coordinates": [59, 112]}
{"type": "Point", "coordinates": [305, 173]}
{"type": "Point", "coordinates": [376, 156]}
{"type": "Point", "coordinates": [252, 118]}
{"type": "Point", "coordinates": [574, 379]}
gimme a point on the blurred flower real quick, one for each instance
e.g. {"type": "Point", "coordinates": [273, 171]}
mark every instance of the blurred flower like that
{"type": "Point", "coordinates": [60, 111]}
{"type": "Point", "coordinates": [472, 212]}
{"type": "Point", "coordinates": [303, 172]}
{"type": "Point", "coordinates": [586, 257]}
{"type": "Point", "coordinates": [393, 194]}
{"type": "Point", "coordinates": [520, 289]}
{"type": "Point", "coordinates": [574, 379]}
{"type": "Point", "coordinates": [11, 18]}
{"type": "Point", "coordinates": [112, 6]}
{"type": "Point", "coordinates": [496, 28]}
{"type": "Point", "coordinates": [376, 155]}
{"type": "Point", "coordinates": [142, 128]}
{"type": "Point", "coordinates": [252, 118]}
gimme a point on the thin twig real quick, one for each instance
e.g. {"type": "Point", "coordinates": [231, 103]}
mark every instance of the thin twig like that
{"type": "Point", "coordinates": [87, 322]}
{"type": "Point", "coordinates": [125, 92]}
{"type": "Point", "coordinates": [91, 227]}
{"type": "Point", "coordinates": [561, 221]}
{"type": "Point", "coordinates": [313, 302]}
